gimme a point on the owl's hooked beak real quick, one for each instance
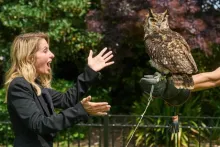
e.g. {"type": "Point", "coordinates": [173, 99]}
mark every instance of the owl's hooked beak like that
{"type": "Point", "coordinates": [158, 25]}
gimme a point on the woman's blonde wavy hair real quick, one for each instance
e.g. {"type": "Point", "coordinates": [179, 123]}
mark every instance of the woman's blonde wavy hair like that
{"type": "Point", "coordinates": [22, 59]}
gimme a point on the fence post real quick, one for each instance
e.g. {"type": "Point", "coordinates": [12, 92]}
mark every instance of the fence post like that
{"type": "Point", "coordinates": [106, 123]}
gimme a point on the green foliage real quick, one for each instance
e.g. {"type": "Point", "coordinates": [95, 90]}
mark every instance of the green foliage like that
{"type": "Point", "coordinates": [6, 134]}
{"type": "Point", "coordinates": [61, 85]}
{"type": "Point", "coordinates": [26, 15]}
{"type": "Point", "coordinates": [71, 134]}
{"type": "Point", "coordinates": [158, 107]}
{"type": "Point", "coordinates": [3, 106]}
{"type": "Point", "coordinates": [207, 63]}
{"type": "Point", "coordinates": [100, 94]}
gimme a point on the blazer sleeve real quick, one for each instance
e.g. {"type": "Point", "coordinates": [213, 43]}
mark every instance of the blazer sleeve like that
{"type": "Point", "coordinates": [22, 104]}
{"type": "Point", "coordinates": [74, 94]}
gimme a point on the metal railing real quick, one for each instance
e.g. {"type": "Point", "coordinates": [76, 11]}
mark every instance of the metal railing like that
{"type": "Point", "coordinates": [115, 130]}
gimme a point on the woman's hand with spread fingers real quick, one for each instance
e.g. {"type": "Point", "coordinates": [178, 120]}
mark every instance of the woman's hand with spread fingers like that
{"type": "Point", "coordinates": [100, 61]}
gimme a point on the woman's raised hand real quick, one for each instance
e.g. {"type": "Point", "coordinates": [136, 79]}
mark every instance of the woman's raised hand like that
{"type": "Point", "coordinates": [101, 60]}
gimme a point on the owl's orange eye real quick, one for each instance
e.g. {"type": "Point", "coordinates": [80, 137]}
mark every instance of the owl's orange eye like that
{"type": "Point", "coordinates": [152, 19]}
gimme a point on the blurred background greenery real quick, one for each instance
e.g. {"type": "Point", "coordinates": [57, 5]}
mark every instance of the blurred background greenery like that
{"type": "Point", "coordinates": [76, 26]}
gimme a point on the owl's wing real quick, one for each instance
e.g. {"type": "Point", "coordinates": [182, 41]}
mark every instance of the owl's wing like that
{"type": "Point", "coordinates": [179, 37]}
{"type": "Point", "coordinates": [180, 59]}
{"type": "Point", "coordinates": [187, 49]}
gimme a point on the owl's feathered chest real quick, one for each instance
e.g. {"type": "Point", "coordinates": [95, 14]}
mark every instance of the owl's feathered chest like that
{"type": "Point", "coordinates": [158, 42]}
{"type": "Point", "coordinates": [160, 37]}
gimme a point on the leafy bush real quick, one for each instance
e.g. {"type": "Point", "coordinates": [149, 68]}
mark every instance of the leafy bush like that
{"type": "Point", "coordinates": [158, 107]}
{"type": "Point", "coordinates": [6, 135]}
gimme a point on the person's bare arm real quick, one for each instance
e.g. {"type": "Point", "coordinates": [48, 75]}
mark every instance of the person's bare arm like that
{"type": "Point", "coordinates": [206, 80]}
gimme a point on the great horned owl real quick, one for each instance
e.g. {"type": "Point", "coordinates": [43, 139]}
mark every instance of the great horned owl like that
{"type": "Point", "coordinates": [168, 50]}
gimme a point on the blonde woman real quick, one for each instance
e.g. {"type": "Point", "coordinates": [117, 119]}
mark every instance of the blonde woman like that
{"type": "Point", "coordinates": [31, 101]}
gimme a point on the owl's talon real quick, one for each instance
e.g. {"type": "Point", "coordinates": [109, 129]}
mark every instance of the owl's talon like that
{"type": "Point", "coordinates": [158, 76]}
{"type": "Point", "coordinates": [149, 79]}
{"type": "Point", "coordinates": [149, 76]}
{"type": "Point", "coordinates": [154, 79]}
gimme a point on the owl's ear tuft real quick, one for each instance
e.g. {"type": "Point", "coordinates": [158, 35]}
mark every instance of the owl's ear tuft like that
{"type": "Point", "coordinates": [165, 12]}
{"type": "Point", "coordinates": [151, 13]}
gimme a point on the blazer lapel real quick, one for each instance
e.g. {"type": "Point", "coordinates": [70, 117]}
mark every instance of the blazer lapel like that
{"type": "Point", "coordinates": [48, 99]}
{"type": "Point", "coordinates": [45, 101]}
{"type": "Point", "coordinates": [43, 105]}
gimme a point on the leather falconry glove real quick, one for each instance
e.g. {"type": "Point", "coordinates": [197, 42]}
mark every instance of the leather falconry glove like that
{"type": "Point", "coordinates": [164, 89]}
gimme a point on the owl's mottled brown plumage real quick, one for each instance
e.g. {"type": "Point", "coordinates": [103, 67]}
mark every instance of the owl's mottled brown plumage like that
{"type": "Point", "coordinates": [168, 50]}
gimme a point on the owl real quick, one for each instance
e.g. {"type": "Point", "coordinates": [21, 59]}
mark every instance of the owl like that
{"type": "Point", "coordinates": [168, 50]}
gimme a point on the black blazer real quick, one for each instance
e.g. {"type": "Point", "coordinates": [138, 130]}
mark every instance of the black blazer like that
{"type": "Point", "coordinates": [33, 119]}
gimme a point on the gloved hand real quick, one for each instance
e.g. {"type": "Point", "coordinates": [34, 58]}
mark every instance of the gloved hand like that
{"type": "Point", "coordinates": [165, 89]}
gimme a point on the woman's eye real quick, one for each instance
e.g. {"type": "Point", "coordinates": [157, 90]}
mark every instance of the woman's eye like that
{"type": "Point", "coordinates": [45, 50]}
